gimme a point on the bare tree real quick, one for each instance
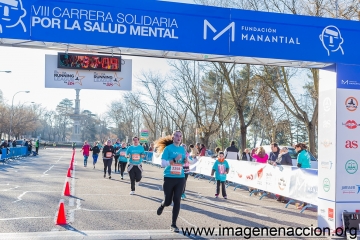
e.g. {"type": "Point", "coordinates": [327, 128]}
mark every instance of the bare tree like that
{"type": "Point", "coordinates": [278, 80]}
{"type": "Point", "coordinates": [193, 92]}
{"type": "Point", "coordinates": [244, 95]}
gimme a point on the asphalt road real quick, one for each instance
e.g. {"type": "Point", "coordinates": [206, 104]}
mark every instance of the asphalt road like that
{"type": "Point", "coordinates": [31, 189]}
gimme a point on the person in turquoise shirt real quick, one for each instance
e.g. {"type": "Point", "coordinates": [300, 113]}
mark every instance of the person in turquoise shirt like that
{"type": "Point", "coordinates": [221, 168]}
{"type": "Point", "coordinates": [135, 154]}
{"type": "Point", "coordinates": [303, 161]}
{"type": "Point", "coordinates": [117, 146]}
{"type": "Point", "coordinates": [173, 159]}
{"type": "Point", "coordinates": [122, 160]}
{"type": "Point", "coordinates": [303, 157]}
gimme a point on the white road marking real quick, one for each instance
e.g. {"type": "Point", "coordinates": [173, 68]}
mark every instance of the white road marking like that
{"type": "Point", "coordinates": [44, 173]}
{"type": "Point", "coordinates": [4, 190]}
{"type": "Point", "coordinates": [21, 195]}
{"type": "Point", "coordinates": [21, 218]}
{"type": "Point", "coordinates": [91, 210]}
{"type": "Point", "coordinates": [186, 221]}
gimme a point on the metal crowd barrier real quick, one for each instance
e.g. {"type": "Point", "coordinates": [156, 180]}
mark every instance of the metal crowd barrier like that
{"type": "Point", "coordinates": [13, 153]}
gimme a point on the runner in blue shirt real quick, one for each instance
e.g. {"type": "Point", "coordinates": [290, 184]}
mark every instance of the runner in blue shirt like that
{"type": "Point", "coordinates": [135, 154]}
{"type": "Point", "coordinates": [173, 159]}
{"type": "Point", "coordinates": [122, 160]}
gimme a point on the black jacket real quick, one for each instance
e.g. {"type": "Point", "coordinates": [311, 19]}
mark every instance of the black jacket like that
{"type": "Point", "coordinates": [232, 152]}
{"type": "Point", "coordinates": [107, 149]}
{"type": "Point", "coordinates": [285, 159]}
{"type": "Point", "coordinates": [95, 149]}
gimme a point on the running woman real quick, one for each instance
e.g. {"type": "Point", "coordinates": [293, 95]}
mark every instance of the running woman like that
{"type": "Point", "coordinates": [173, 159]}
{"type": "Point", "coordinates": [136, 154]}
{"type": "Point", "coordinates": [96, 150]}
{"type": "Point", "coordinates": [117, 146]}
{"type": "Point", "coordinates": [86, 152]}
{"type": "Point", "coordinates": [122, 160]}
{"type": "Point", "coordinates": [108, 153]}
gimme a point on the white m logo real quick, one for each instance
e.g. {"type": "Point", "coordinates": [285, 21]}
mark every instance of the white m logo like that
{"type": "Point", "coordinates": [208, 25]}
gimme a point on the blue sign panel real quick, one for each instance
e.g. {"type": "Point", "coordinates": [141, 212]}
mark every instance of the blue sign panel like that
{"type": "Point", "coordinates": [348, 76]}
{"type": "Point", "coordinates": [182, 28]}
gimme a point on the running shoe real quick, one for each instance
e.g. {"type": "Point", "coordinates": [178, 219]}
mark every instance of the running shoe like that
{"type": "Point", "coordinates": [94, 166]}
{"type": "Point", "coordinates": [225, 197]}
{"type": "Point", "coordinates": [110, 177]}
{"type": "Point", "coordinates": [160, 210]}
{"type": "Point", "coordinates": [137, 184]}
{"type": "Point", "coordinates": [132, 192]}
{"type": "Point", "coordinates": [104, 175]}
{"type": "Point", "coordinates": [174, 228]}
{"type": "Point", "coordinates": [183, 196]}
{"type": "Point", "coordinates": [122, 178]}
{"type": "Point", "coordinates": [216, 195]}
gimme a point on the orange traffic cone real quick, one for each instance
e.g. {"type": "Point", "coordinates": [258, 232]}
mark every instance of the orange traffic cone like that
{"type": "Point", "coordinates": [69, 173]}
{"type": "Point", "coordinates": [61, 218]}
{"type": "Point", "coordinates": [67, 189]}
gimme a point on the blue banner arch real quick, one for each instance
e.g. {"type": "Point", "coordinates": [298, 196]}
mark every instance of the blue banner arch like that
{"type": "Point", "coordinates": [168, 26]}
{"type": "Point", "coordinates": [225, 33]}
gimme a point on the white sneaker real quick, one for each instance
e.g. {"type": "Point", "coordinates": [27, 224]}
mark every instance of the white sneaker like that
{"type": "Point", "coordinates": [137, 184]}
{"type": "Point", "coordinates": [132, 192]}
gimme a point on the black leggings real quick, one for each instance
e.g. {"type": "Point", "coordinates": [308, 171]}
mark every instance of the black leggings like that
{"type": "Point", "coordinates": [107, 165]}
{"type": "Point", "coordinates": [173, 189]}
{"type": "Point", "coordinates": [223, 188]}
{"type": "Point", "coordinates": [135, 175]}
{"type": "Point", "coordinates": [122, 168]}
{"type": "Point", "coordinates": [117, 164]}
{"type": "Point", "coordinates": [186, 177]}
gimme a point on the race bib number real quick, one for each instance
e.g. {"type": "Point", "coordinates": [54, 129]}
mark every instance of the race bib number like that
{"type": "Point", "coordinates": [109, 154]}
{"type": "Point", "coordinates": [122, 154]}
{"type": "Point", "coordinates": [135, 157]}
{"type": "Point", "coordinates": [176, 169]}
{"type": "Point", "coordinates": [221, 169]}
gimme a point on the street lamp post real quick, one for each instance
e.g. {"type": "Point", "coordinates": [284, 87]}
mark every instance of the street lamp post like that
{"type": "Point", "coordinates": [12, 110]}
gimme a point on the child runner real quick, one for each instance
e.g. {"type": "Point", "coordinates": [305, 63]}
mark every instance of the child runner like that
{"type": "Point", "coordinates": [86, 153]}
{"type": "Point", "coordinates": [136, 154]}
{"type": "Point", "coordinates": [122, 160]}
{"type": "Point", "coordinates": [221, 167]}
{"type": "Point", "coordinates": [173, 158]}
{"type": "Point", "coordinates": [96, 150]}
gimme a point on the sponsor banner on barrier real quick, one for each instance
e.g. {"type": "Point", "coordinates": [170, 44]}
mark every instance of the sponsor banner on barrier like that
{"type": "Point", "coordinates": [292, 182]}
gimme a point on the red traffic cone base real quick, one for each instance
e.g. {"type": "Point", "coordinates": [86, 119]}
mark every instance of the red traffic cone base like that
{"type": "Point", "coordinates": [69, 173]}
{"type": "Point", "coordinates": [61, 218]}
{"type": "Point", "coordinates": [67, 189]}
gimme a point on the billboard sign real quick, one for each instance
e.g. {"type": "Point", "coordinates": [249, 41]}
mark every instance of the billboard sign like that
{"type": "Point", "coordinates": [85, 79]}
